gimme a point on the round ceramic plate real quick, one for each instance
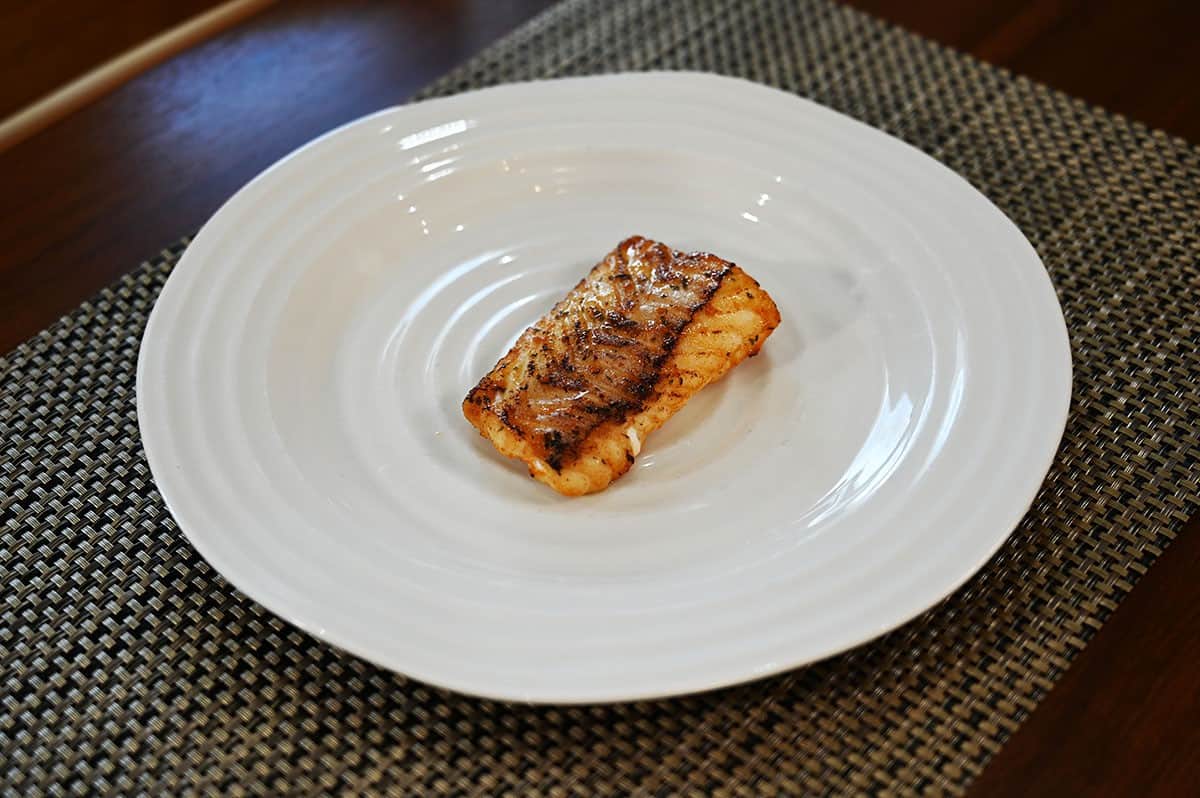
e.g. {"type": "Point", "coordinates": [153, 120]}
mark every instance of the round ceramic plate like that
{"type": "Point", "coordinates": [301, 376]}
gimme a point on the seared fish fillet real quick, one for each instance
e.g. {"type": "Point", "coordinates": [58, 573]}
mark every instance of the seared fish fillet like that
{"type": "Point", "coordinates": [648, 327]}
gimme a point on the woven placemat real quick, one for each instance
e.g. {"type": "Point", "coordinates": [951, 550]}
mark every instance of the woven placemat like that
{"type": "Point", "coordinates": [129, 665]}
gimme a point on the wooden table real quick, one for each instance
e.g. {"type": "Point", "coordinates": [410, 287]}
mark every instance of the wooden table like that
{"type": "Point", "coordinates": [91, 196]}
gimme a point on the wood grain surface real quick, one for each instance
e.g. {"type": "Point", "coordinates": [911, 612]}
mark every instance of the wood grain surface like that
{"type": "Point", "coordinates": [91, 196]}
{"type": "Point", "coordinates": [47, 43]}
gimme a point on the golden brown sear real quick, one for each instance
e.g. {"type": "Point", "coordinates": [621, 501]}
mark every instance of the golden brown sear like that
{"type": "Point", "coordinates": [648, 327]}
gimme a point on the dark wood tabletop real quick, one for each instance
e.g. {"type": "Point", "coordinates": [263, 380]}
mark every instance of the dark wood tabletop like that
{"type": "Point", "coordinates": [91, 196]}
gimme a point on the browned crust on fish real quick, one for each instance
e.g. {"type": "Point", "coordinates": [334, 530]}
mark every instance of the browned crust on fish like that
{"type": "Point", "coordinates": [646, 329]}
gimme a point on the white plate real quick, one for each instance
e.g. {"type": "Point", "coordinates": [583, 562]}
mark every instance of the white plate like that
{"type": "Point", "coordinates": [300, 381]}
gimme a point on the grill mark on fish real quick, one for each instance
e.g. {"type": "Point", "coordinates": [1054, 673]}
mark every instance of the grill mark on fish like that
{"type": "Point", "coordinates": [598, 354]}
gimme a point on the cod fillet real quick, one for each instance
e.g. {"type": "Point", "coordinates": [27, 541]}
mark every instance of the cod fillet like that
{"type": "Point", "coordinates": [647, 328]}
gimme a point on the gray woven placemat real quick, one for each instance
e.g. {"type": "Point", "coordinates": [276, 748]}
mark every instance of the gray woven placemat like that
{"type": "Point", "coordinates": [129, 665]}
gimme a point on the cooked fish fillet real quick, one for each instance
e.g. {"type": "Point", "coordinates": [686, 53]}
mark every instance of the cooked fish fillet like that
{"type": "Point", "coordinates": [647, 328]}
